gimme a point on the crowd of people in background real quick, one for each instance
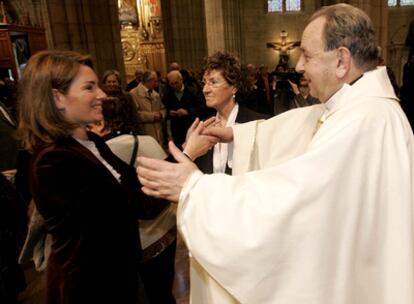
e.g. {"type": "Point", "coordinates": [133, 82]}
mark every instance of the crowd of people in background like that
{"type": "Point", "coordinates": [168, 106]}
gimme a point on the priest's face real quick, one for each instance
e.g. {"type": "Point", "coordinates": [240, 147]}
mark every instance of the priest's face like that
{"type": "Point", "coordinates": [317, 65]}
{"type": "Point", "coordinates": [217, 91]}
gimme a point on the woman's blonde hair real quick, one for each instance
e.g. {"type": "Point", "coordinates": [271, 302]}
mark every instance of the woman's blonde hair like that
{"type": "Point", "coordinates": [40, 121]}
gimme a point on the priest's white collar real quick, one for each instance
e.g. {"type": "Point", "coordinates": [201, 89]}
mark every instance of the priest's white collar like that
{"type": "Point", "coordinates": [336, 99]}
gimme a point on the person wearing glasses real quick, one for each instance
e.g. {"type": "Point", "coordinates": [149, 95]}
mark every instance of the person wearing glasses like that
{"type": "Point", "coordinates": [221, 82]}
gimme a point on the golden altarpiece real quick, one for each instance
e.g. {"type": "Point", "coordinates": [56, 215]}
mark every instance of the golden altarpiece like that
{"type": "Point", "coordinates": [142, 36]}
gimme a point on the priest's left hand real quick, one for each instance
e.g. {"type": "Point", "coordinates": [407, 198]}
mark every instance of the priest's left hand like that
{"type": "Point", "coordinates": [163, 179]}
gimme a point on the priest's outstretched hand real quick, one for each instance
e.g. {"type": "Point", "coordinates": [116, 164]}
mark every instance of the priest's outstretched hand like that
{"type": "Point", "coordinates": [223, 134]}
{"type": "Point", "coordinates": [164, 179]}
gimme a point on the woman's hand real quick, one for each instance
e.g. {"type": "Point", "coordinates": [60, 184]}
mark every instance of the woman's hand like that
{"type": "Point", "coordinates": [194, 125]}
{"type": "Point", "coordinates": [163, 179]}
{"type": "Point", "coordinates": [196, 143]}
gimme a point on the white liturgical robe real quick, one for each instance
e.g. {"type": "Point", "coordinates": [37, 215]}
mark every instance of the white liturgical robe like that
{"type": "Point", "coordinates": [328, 218]}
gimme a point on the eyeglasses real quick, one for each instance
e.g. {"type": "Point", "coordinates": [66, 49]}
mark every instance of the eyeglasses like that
{"type": "Point", "coordinates": [213, 83]}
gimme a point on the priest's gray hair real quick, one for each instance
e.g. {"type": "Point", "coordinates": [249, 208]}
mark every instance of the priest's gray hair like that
{"type": "Point", "coordinates": [349, 27]}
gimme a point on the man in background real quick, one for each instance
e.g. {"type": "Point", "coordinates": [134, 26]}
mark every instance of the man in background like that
{"type": "Point", "coordinates": [134, 83]}
{"type": "Point", "coordinates": [183, 106]}
{"type": "Point", "coordinates": [302, 97]}
{"type": "Point", "coordinates": [151, 111]}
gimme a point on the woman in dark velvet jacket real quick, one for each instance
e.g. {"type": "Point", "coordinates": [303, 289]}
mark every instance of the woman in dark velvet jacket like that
{"type": "Point", "coordinates": [89, 198]}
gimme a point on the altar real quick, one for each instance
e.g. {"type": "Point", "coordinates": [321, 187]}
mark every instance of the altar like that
{"type": "Point", "coordinates": [142, 36]}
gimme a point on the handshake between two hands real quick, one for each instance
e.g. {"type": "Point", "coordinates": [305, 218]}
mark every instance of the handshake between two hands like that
{"type": "Point", "coordinates": [163, 179]}
{"type": "Point", "coordinates": [203, 135]}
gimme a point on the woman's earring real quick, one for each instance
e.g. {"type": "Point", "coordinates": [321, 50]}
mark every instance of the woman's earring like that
{"type": "Point", "coordinates": [234, 96]}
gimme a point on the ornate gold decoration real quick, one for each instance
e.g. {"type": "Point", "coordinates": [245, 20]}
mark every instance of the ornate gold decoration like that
{"type": "Point", "coordinates": [128, 50]}
{"type": "Point", "coordinates": [143, 46]}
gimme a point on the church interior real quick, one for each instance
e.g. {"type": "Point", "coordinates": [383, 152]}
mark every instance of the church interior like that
{"type": "Point", "coordinates": [159, 32]}
{"type": "Point", "coordinates": [131, 35]}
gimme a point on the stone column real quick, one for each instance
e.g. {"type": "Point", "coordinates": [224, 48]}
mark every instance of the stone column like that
{"type": "Point", "coordinates": [223, 22]}
{"type": "Point", "coordinates": [215, 25]}
{"type": "Point", "coordinates": [87, 26]}
{"type": "Point", "coordinates": [184, 32]}
{"type": "Point", "coordinates": [233, 14]}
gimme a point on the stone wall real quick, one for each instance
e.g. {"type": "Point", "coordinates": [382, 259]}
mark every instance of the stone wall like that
{"type": "Point", "coordinates": [185, 33]}
{"type": "Point", "coordinates": [196, 28]}
{"type": "Point", "coordinates": [87, 26]}
{"type": "Point", "coordinates": [260, 27]}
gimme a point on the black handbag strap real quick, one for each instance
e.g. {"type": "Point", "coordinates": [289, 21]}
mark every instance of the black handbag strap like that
{"type": "Point", "coordinates": [134, 150]}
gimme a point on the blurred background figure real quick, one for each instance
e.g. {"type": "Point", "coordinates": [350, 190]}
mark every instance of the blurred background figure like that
{"type": "Point", "coordinates": [124, 104]}
{"type": "Point", "coordinates": [302, 98]}
{"type": "Point", "coordinates": [138, 78]}
{"type": "Point", "coordinates": [183, 106]}
{"type": "Point", "coordinates": [190, 81]}
{"type": "Point", "coordinates": [120, 115]}
{"type": "Point", "coordinates": [390, 72]}
{"type": "Point", "coordinates": [151, 111]}
{"type": "Point", "coordinates": [265, 91]}
{"type": "Point", "coordinates": [174, 66]}
{"type": "Point", "coordinates": [283, 95]}
{"type": "Point", "coordinates": [248, 93]}
{"type": "Point", "coordinates": [161, 84]}
{"type": "Point", "coordinates": [252, 72]}
{"type": "Point", "coordinates": [407, 88]}
{"type": "Point", "coordinates": [112, 79]}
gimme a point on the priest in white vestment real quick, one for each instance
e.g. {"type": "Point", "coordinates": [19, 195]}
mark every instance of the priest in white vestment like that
{"type": "Point", "coordinates": [323, 216]}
